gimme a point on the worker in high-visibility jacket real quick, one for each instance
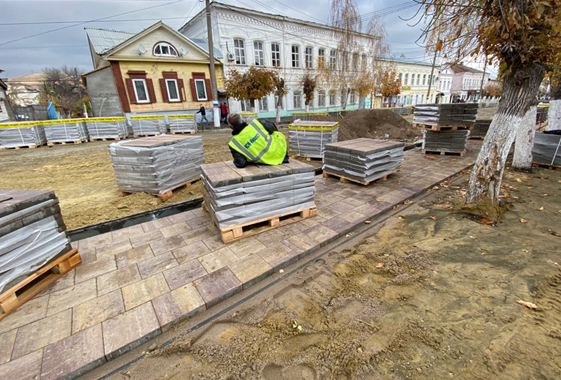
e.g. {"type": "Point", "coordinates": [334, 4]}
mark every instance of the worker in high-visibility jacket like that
{"type": "Point", "coordinates": [256, 142]}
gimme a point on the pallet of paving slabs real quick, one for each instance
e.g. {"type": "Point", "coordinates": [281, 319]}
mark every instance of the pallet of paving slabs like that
{"type": "Point", "coordinates": [22, 135]}
{"type": "Point", "coordinates": [182, 124]}
{"type": "Point", "coordinates": [363, 160]}
{"type": "Point", "coordinates": [480, 129]}
{"type": "Point", "coordinates": [547, 149]}
{"type": "Point", "coordinates": [105, 128]}
{"type": "Point", "coordinates": [445, 114]}
{"type": "Point", "coordinates": [308, 138]}
{"type": "Point", "coordinates": [445, 141]}
{"type": "Point", "coordinates": [157, 164]}
{"type": "Point", "coordinates": [19, 294]}
{"type": "Point", "coordinates": [65, 131]}
{"type": "Point", "coordinates": [32, 232]}
{"type": "Point", "coordinates": [148, 125]}
{"type": "Point", "coordinates": [240, 197]}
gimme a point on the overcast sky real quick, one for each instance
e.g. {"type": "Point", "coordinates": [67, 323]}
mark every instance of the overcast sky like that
{"type": "Point", "coordinates": [39, 34]}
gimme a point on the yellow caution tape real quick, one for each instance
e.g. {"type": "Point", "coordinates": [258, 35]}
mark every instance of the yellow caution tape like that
{"type": "Point", "coordinates": [309, 113]}
{"type": "Point", "coordinates": [248, 114]}
{"type": "Point", "coordinates": [312, 127]}
{"type": "Point", "coordinates": [181, 116]}
{"type": "Point", "coordinates": [147, 117]}
{"type": "Point", "coordinates": [60, 121]}
{"type": "Point", "coordinates": [106, 119]}
{"type": "Point", "coordinates": [19, 124]}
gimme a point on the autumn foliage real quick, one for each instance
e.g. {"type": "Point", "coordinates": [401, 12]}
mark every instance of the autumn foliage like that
{"type": "Point", "coordinates": [390, 84]}
{"type": "Point", "coordinates": [253, 84]}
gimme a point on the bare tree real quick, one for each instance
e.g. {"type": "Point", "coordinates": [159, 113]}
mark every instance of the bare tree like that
{"type": "Point", "coordinates": [64, 88]}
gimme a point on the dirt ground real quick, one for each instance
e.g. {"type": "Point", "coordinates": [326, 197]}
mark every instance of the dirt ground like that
{"type": "Point", "coordinates": [431, 294]}
{"type": "Point", "coordinates": [82, 177]}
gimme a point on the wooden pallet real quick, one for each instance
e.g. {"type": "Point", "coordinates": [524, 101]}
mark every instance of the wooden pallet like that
{"type": "Point", "coordinates": [53, 143]}
{"type": "Point", "coordinates": [546, 166]}
{"type": "Point", "coordinates": [183, 132]}
{"type": "Point", "coordinates": [244, 230]}
{"type": "Point", "coordinates": [21, 147]}
{"type": "Point", "coordinates": [164, 196]}
{"type": "Point", "coordinates": [443, 152]}
{"type": "Point", "coordinates": [307, 158]}
{"type": "Point", "coordinates": [476, 137]}
{"type": "Point", "coordinates": [137, 136]}
{"type": "Point", "coordinates": [92, 139]}
{"type": "Point", "coordinates": [348, 179]}
{"type": "Point", "coordinates": [16, 296]}
{"type": "Point", "coordinates": [435, 127]}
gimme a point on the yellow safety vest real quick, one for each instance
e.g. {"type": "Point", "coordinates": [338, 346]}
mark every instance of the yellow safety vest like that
{"type": "Point", "coordinates": [258, 146]}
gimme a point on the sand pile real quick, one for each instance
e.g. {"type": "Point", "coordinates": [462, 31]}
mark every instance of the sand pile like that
{"type": "Point", "coordinates": [375, 123]}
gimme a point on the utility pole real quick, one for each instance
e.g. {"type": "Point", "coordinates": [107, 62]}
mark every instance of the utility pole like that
{"type": "Point", "coordinates": [483, 79]}
{"type": "Point", "coordinates": [216, 111]}
{"type": "Point", "coordinates": [431, 74]}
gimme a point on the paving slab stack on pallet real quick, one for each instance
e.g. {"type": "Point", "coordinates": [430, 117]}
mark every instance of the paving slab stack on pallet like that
{"type": "Point", "coordinates": [547, 148]}
{"type": "Point", "coordinates": [446, 114]}
{"type": "Point", "coordinates": [100, 128]}
{"type": "Point", "coordinates": [480, 128]}
{"type": "Point", "coordinates": [236, 197]}
{"type": "Point", "coordinates": [32, 233]}
{"type": "Point", "coordinates": [307, 116]}
{"type": "Point", "coordinates": [362, 160]}
{"type": "Point", "coordinates": [65, 131]}
{"type": "Point", "coordinates": [156, 164]}
{"type": "Point", "coordinates": [248, 116]}
{"type": "Point", "coordinates": [448, 141]}
{"type": "Point", "coordinates": [182, 123]}
{"type": "Point", "coordinates": [309, 138]}
{"type": "Point", "coordinates": [23, 134]}
{"type": "Point", "coordinates": [148, 125]}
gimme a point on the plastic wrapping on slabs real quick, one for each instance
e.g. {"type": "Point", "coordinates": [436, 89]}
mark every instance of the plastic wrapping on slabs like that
{"type": "Point", "coordinates": [308, 138]}
{"type": "Point", "coordinates": [156, 164]}
{"type": "Point", "coordinates": [23, 134]}
{"type": "Point", "coordinates": [480, 128]}
{"type": "Point", "coordinates": [65, 130]}
{"type": "Point", "coordinates": [236, 196]}
{"type": "Point", "coordinates": [547, 148]}
{"type": "Point", "coordinates": [107, 127]}
{"type": "Point", "coordinates": [182, 123]}
{"type": "Point", "coordinates": [363, 159]}
{"type": "Point", "coordinates": [148, 125]}
{"type": "Point", "coordinates": [452, 141]}
{"type": "Point", "coordinates": [446, 114]}
{"type": "Point", "coordinates": [32, 233]}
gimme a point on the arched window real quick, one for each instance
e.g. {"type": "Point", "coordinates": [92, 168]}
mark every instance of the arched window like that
{"type": "Point", "coordinates": [163, 49]}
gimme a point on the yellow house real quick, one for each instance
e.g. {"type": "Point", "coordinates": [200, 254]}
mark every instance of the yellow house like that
{"type": "Point", "coordinates": [155, 71]}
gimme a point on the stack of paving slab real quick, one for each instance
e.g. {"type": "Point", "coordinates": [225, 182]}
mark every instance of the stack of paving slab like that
{"type": "Point", "coordinates": [248, 116]}
{"type": "Point", "coordinates": [307, 115]}
{"type": "Point", "coordinates": [446, 114]}
{"type": "Point", "coordinates": [445, 141]}
{"type": "Point", "coordinates": [236, 196]}
{"type": "Point", "coordinates": [148, 125]}
{"type": "Point", "coordinates": [100, 128]}
{"type": "Point", "coordinates": [309, 138]}
{"type": "Point", "coordinates": [547, 148]}
{"type": "Point", "coordinates": [32, 233]}
{"type": "Point", "coordinates": [480, 128]}
{"type": "Point", "coordinates": [156, 164]}
{"type": "Point", "coordinates": [65, 130]}
{"type": "Point", "coordinates": [362, 160]}
{"type": "Point", "coordinates": [182, 124]}
{"type": "Point", "coordinates": [22, 134]}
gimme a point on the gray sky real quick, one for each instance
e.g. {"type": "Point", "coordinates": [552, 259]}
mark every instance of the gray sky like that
{"type": "Point", "coordinates": [39, 34]}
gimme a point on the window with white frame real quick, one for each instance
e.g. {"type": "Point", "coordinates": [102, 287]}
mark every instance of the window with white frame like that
{"type": "Point", "coordinates": [295, 56]}
{"type": "Point", "coordinates": [321, 98]}
{"type": "Point", "coordinates": [245, 105]}
{"type": "Point", "coordinates": [263, 104]}
{"type": "Point", "coordinates": [424, 79]}
{"type": "Point", "coordinates": [258, 51]}
{"type": "Point", "coordinates": [309, 57]}
{"type": "Point", "coordinates": [201, 89]}
{"type": "Point", "coordinates": [401, 78]}
{"type": "Point", "coordinates": [164, 49]}
{"type": "Point", "coordinates": [321, 58]}
{"type": "Point", "coordinates": [412, 79]}
{"type": "Point", "coordinates": [406, 82]}
{"type": "Point", "coordinates": [239, 51]}
{"type": "Point", "coordinates": [353, 97]}
{"type": "Point", "coordinates": [332, 97]}
{"type": "Point", "coordinates": [355, 61]}
{"type": "Point", "coordinates": [140, 91]}
{"type": "Point", "coordinates": [418, 79]}
{"type": "Point", "coordinates": [277, 100]}
{"type": "Point", "coordinates": [275, 55]}
{"type": "Point", "coordinates": [297, 99]}
{"type": "Point", "coordinates": [333, 60]}
{"type": "Point", "coordinates": [173, 90]}
{"type": "Point", "coordinates": [364, 62]}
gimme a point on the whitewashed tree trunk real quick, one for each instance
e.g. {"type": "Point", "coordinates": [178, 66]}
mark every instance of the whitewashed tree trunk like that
{"type": "Point", "coordinates": [278, 114]}
{"type": "Point", "coordinates": [344, 97]}
{"type": "Point", "coordinates": [554, 115]}
{"type": "Point", "coordinates": [519, 92]}
{"type": "Point", "coordinates": [524, 142]}
{"type": "Point", "coordinates": [308, 107]}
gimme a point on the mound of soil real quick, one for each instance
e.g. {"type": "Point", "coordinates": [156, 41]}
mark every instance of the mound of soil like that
{"type": "Point", "coordinates": [377, 124]}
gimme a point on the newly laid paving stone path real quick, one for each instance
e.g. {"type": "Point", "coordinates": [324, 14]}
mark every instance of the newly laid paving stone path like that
{"type": "Point", "coordinates": [137, 282]}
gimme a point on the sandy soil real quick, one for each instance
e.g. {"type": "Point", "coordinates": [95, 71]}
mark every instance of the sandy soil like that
{"type": "Point", "coordinates": [430, 295]}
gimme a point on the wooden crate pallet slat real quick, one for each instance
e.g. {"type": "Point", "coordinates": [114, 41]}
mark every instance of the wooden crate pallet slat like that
{"type": "Point", "coordinates": [307, 158]}
{"type": "Point", "coordinates": [244, 230]}
{"type": "Point", "coordinates": [16, 296]}
{"type": "Point", "coordinates": [443, 152]}
{"type": "Point", "coordinates": [183, 132]}
{"type": "Point", "coordinates": [164, 196]}
{"type": "Point", "coordinates": [436, 127]}
{"type": "Point", "coordinates": [21, 147]}
{"type": "Point", "coordinates": [52, 143]}
{"type": "Point", "coordinates": [342, 178]}
{"type": "Point", "coordinates": [546, 166]}
{"type": "Point", "coordinates": [108, 138]}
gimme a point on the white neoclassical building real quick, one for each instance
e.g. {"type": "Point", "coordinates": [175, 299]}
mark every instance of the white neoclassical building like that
{"type": "Point", "coordinates": [292, 46]}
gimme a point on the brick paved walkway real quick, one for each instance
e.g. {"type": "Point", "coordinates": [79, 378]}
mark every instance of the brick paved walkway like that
{"type": "Point", "coordinates": [137, 282]}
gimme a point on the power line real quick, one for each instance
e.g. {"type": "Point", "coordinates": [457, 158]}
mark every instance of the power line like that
{"type": "Point", "coordinates": [86, 21]}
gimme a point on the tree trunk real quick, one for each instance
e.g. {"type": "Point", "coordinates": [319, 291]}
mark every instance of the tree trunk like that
{"type": "Point", "coordinates": [554, 113]}
{"type": "Point", "coordinates": [519, 92]}
{"type": "Point", "coordinates": [361, 102]}
{"type": "Point", "coordinates": [524, 144]}
{"type": "Point", "coordinates": [278, 107]}
{"type": "Point", "coordinates": [307, 107]}
{"type": "Point", "coordinates": [344, 97]}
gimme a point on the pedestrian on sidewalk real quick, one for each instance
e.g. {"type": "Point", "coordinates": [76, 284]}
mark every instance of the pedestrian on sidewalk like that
{"type": "Point", "coordinates": [224, 110]}
{"type": "Point", "coordinates": [203, 116]}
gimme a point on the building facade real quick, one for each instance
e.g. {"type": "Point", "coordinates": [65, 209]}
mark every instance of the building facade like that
{"type": "Point", "coordinates": [466, 83]}
{"type": "Point", "coordinates": [415, 77]}
{"type": "Point", "coordinates": [444, 84]}
{"type": "Point", "coordinates": [289, 46]}
{"type": "Point", "coordinates": [5, 111]}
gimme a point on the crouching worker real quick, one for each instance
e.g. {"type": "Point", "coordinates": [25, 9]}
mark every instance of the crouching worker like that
{"type": "Point", "coordinates": [256, 142]}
